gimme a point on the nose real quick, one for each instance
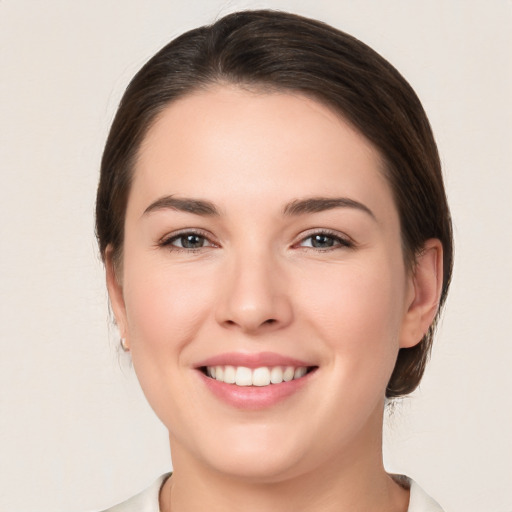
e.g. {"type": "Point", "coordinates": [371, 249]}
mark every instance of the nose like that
{"type": "Point", "coordinates": [255, 295]}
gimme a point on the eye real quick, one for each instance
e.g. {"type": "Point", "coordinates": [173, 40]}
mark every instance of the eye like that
{"type": "Point", "coordinates": [325, 240]}
{"type": "Point", "coordinates": [189, 240]}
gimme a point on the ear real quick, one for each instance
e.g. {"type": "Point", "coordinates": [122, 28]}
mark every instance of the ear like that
{"type": "Point", "coordinates": [423, 294]}
{"type": "Point", "coordinates": [115, 293]}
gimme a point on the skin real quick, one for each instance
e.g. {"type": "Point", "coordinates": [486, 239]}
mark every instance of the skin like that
{"type": "Point", "coordinates": [257, 284]}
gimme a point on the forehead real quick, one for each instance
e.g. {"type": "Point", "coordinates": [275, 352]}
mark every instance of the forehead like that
{"type": "Point", "coordinates": [227, 139]}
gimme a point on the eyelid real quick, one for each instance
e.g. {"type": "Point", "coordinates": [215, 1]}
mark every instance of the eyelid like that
{"type": "Point", "coordinates": [342, 239]}
{"type": "Point", "coordinates": [167, 239]}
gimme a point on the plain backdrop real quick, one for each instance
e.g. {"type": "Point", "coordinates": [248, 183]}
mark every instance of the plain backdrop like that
{"type": "Point", "coordinates": [75, 431]}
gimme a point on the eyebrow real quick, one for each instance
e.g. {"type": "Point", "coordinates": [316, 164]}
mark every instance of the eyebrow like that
{"type": "Point", "coordinates": [320, 204]}
{"type": "Point", "coordinates": [294, 208]}
{"type": "Point", "coordinates": [184, 204]}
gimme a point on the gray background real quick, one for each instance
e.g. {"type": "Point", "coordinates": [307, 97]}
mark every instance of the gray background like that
{"type": "Point", "coordinates": [75, 431]}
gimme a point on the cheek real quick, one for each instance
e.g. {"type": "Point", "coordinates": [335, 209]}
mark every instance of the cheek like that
{"type": "Point", "coordinates": [165, 310]}
{"type": "Point", "coordinates": [165, 306]}
{"type": "Point", "coordinates": [358, 311]}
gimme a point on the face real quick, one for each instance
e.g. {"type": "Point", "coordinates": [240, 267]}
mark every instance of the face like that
{"type": "Point", "coordinates": [262, 247]}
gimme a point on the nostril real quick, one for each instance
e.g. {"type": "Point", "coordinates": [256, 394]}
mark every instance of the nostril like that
{"type": "Point", "coordinates": [251, 324]}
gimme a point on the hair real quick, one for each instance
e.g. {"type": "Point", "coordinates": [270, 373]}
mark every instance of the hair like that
{"type": "Point", "coordinates": [278, 51]}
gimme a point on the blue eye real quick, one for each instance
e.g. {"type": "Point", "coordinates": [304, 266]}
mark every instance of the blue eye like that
{"type": "Point", "coordinates": [325, 240]}
{"type": "Point", "coordinates": [189, 241]}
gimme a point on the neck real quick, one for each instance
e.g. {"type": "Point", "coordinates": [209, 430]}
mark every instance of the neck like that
{"type": "Point", "coordinates": [352, 480]}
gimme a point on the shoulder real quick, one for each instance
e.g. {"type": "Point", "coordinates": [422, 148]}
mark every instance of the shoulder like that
{"type": "Point", "coordinates": [148, 500]}
{"type": "Point", "coordinates": [419, 500]}
{"type": "Point", "coordinates": [145, 501]}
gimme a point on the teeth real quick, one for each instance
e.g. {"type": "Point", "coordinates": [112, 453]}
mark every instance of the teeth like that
{"type": "Point", "coordinates": [276, 375]}
{"type": "Point", "coordinates": [263, 376]}
{"type": "Point", "coordinates": [288, 373]}
{"type": "Point", "coordinates": [243, 376]}
{"type": "Point", "coordinates": [229, 375]}
{"type": "Point", "coordinates": [300, 372]}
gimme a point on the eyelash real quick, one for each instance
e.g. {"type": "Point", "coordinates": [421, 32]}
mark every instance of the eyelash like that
{"type": "Point", "coordinates": [338, 241]}
{"type": "Point", "coordinates": [168, 241]}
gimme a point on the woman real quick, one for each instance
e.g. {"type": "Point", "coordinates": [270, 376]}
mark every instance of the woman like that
{"type": "Point", "coordinates": [277, 244]}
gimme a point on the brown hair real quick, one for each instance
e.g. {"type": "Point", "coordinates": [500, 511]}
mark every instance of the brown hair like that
{"type": "Point", "coordinates": [280, 51]}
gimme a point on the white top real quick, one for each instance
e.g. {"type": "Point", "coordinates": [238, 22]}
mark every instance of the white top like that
{"type": "Point", "coordinates": [147, 500]}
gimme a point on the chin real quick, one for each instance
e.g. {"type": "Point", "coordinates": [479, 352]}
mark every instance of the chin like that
{"type": "Point", "coordinates": [259, 454]}
{"type": "Point", "coordinates": [258, 468]}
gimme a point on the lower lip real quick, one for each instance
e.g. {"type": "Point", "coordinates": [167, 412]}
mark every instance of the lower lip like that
{"type": "Point", "coordinates": [254, 397]}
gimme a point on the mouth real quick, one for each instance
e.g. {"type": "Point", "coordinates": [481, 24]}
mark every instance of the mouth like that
{"type": "Point", "coordinates": [255, 381]}
{"type": "Point", "coordinates": [262, 376]}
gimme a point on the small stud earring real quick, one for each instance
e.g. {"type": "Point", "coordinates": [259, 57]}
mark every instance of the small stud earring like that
{"type": "Point", "coordinates": [124, 345]}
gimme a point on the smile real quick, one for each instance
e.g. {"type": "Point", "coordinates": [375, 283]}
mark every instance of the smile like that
{"type": "Point", "coordinates": [255, 381]}
{"type": "Point", "coordinates": [260, 377]}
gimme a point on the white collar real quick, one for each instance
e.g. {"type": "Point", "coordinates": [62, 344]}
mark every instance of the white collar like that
{"type": "Point", "coordinates": [148, 500]}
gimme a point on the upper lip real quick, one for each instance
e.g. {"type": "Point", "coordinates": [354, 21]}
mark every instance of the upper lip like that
{"type": "Point", "coordinates": [255, 360]}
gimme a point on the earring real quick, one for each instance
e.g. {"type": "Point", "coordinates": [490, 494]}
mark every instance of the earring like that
{"type": "Point", "coordinates": [124, 345]}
